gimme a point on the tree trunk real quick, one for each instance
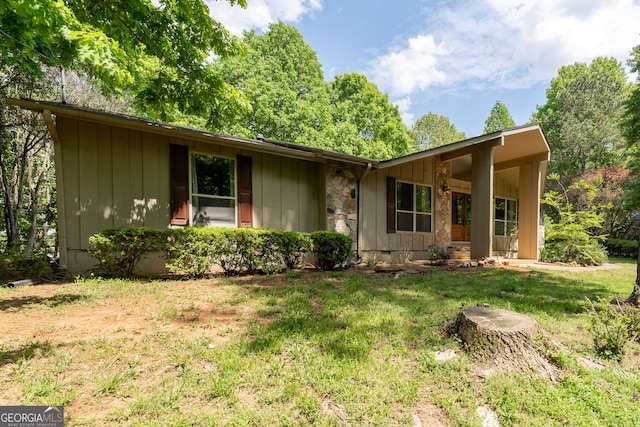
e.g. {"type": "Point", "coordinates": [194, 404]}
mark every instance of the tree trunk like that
{"type": "Point", "coordinates": [504, 340]}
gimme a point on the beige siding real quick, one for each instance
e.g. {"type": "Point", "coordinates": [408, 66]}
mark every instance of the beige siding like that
{"type": "Point", "coordinates": [288, 193]}
{"type": "Point", "coordinates": [503, 188]}
{"type": "Point", "coordinates": [113, 177]}
{"type": "Point", "coordinates": [373, 214]}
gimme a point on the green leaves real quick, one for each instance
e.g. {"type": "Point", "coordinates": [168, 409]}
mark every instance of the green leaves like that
{"type": "Point", "coordinates": [498, 119]}
{"type": "Point", "coordinates": [161, 53]}
{"type": "Point", "coordinates": [432, 130]}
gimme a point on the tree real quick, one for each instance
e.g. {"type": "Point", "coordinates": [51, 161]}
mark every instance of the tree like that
{"type": "Point", "coordinates": [26, 166]}
{"type": "Point", "coordinates": [631, 131]}
{"type": "Point", "coordinates": [432, 130]}
{"type": "Point", "coordinates": [365, 122]}
{"type": "Point", "coordinates": [498, 119]}
{"type": "Point", "coordinates": [159, 51]}
{"type": "Point", "coordinates": [290, 100]}
{"type": "Point", "coordinates": [569, 232]}
{"type": "Point", "coordinates": [581, 117]}
{"type": "Point", "coordinates": [284, 83]}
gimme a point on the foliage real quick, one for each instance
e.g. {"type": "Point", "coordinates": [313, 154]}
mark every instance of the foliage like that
{"type": "Point", "coordinates": [118, 250]}
{"type": "Point", "coordinates": [26, 165]}
{"type": "Point", "coordinates": [630, 126]}
{"type": "Point", "coordinates": [631, 117]}
{"type": "Point", "coordinates": [159, 51]}
{"type": "Point", "coordinates": [621, 247]}
{"type": "Point", "coordinates": [438, 252]}
{"type": "Point", "coordinates": [196, 251]}
{"type": "Point", "coordinates": [290, 100]}
{"type": "Point", "coordinates": [16, 266]}
{"type": "Point", "coordinates": [284, 83]}
{"type": "Point", "coordinates": [570, 238]}
{"type": "Point", "coordinates": [331, 249]}
{"type": "Point", "coordinates": [498, 119]}
{"type": "Point", "coordinates": [613, 326]}
{"type": "Point", "coordinates": [365, 123]}
{"type": "Point", "coordinates": [193, 250]}
{"type": "Point", "coordinates": [581, 117]}
{"type": "Point", "coordinates": [432, 130]}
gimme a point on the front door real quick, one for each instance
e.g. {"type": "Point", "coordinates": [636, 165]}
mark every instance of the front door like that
{"type": "Point", "coordinates": [460, 217]}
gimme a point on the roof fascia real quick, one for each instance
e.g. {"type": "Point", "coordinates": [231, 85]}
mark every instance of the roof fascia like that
{"type": "Point", "coordinates": [304, 153]}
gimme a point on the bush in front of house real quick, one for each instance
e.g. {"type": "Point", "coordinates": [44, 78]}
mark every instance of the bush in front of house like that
{"type": "Point", "coordinates": [193, 250]}
{"type": "Point", "coordinates": [196, 251]}
{"type": "Point", "coordinates": [119, 249]}
{"type": "Point", "coordinates": [331, 249]}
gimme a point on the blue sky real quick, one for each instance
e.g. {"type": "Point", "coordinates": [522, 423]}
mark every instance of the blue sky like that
{"type": "Point", "coordinates": [454, 58]}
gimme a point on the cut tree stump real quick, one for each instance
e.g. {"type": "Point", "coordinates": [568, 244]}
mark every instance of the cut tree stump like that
{"type": "Point", "coordinates": [504, 339]}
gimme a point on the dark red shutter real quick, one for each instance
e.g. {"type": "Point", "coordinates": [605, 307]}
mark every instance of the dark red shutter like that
{"type": "Point", "coordinates": [245, 193]}
{"type": "Point", "coordinates": [391, 204]}
{"type": "Point", "coordinates": [179, 184]}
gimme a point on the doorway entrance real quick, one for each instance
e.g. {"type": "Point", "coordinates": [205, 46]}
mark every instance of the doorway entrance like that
{"type": "Point", "coordinates": [460, 217]}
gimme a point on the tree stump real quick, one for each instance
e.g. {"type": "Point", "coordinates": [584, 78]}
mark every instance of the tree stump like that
{"type": "Point", "coordinates": [504, 339]}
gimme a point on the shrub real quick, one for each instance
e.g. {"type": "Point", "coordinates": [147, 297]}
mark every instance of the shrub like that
{"type": "Point", "coordinates": [613, 326]}
{"type": "Point", "coordinates": [330, 248]}
{"type": "Point", "coordinates": [620, 247]}
{"type": "Point", "coordinates": [570, 238]}
{"type": "Point", "coordinates": [196, 250]}
{"type": "Point", "coordinates": [118, 250]}
{"type": "Point", "coordinates": [293, 247]}
{"type": "Point", "coordinates": [193, 250]}
{"type": "Point", "coordinates": [16, 266]}
{"type": "Point", "coordinates": [438, 253]}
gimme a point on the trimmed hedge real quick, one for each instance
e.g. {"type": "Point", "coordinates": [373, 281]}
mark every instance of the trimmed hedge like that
{"type": "Point", "coordinates": [119, 249]}
{"type": "Point", "coordinates": [197, 251]}
{"type": "Point", "coordinates": [331, 249]}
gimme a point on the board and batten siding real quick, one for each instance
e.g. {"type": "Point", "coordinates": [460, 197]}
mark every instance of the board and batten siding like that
{"type": "Point", "coordinates": [116, 177]}
{"type": "Point", "coordinates": [373, 212]}
{"type": "Point", "coordinates": [112, 177]}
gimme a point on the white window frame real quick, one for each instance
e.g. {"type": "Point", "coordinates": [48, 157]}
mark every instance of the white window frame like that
{"type": "Point", "coordinates": [506, 221]}
{"type": "Point", "coordinates": [233, 197]}
{"type": "Point", "coordinates": [413, 212]}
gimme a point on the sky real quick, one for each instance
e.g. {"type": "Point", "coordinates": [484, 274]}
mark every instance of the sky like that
{"type": "Point", "coordinates": [453, 58]}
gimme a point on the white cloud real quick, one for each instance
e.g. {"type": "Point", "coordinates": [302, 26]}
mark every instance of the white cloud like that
{"type": "Point", "coordinates": [260, 13]}
{"type": "Point", "coordinates": [505, 44]}
{"type": "Point", "coordinates": [404, 105]}
{"type": "Point", "coordinates": [412, 68]}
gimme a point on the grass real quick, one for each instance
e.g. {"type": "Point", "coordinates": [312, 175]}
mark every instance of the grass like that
{"type": "Point", "coordinates": [270, 350]}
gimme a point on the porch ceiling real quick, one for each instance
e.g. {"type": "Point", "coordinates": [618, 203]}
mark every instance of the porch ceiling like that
{"type": "Point", "coordinates": [519, 146]}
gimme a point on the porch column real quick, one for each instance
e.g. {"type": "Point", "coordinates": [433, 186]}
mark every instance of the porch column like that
{"type": "Point", "coordinates": [481, 203]}
{"type": "Point", "coordinates": [529, 210]}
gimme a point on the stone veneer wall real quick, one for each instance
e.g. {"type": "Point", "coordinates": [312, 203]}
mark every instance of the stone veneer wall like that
{"type": "Point", "coordinates": [341, 200]}
{"type": "Point", "coordinates": [442, 205]}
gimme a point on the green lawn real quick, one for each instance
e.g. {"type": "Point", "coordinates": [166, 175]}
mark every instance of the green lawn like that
{"type": "Point", "coordinates": [264, 351]}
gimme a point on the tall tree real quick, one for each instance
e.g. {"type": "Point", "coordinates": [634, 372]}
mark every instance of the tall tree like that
{"type": "Point", "coordinates": [498, 119]}
{"type": "Point", "coordinates": [631, 131]}
{"type": "Point", "coordinates": [284, 82]}
{"type": "Point", "coordinates": [361, 107]}
{"type": "Point", "coordinates": [26, 165]}
{"type": "Point", "coordinates": [161, 51]}
{"type": "Point", "coordinates": [581, 117]}
{"type": "Point", "coordinates": [433, 130]}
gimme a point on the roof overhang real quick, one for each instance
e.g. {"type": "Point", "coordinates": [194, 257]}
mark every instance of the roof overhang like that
{"type": "Point", "coordinates": [511, 147]}
{"type": "Point", "coordinates": [268, 146]}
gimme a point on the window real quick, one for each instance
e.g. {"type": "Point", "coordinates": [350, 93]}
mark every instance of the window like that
{"type": "Point", "coordinates": [506, 217]}
{"type": "Point", "coordinates": [213, 191]}
{"type": "Point", "coordinates": [413, 207]}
